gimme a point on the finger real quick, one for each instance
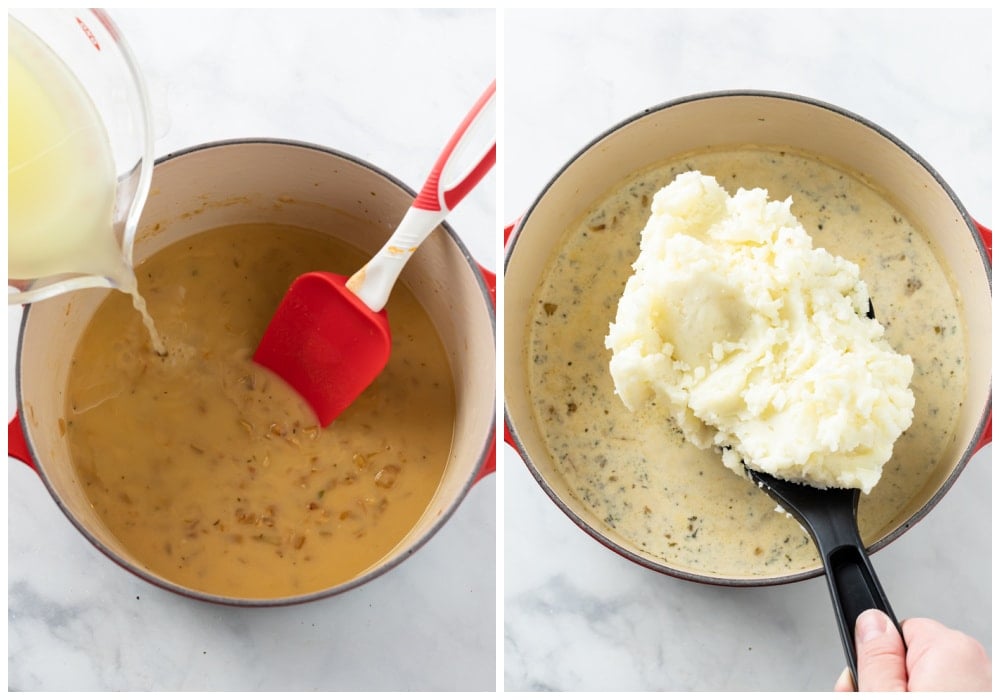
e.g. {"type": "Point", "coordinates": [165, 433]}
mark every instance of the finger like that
{"type": "Point", "coordinates": [940, 658]}
{"type": "Point", "coordinates": [844, 684]}
{"type": "Point", "coordinates": [916, 628]}
{"type": "Point", "coordinates": [880, 651]}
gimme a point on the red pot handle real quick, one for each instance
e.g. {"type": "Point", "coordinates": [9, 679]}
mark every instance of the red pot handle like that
{"type": "Point", "coordinates": [986, 235]}
{"type": "Point", "coordinates": [508, 437]}
{"type": "Point", "coordinates": [987, 437]}
{"type": "Point", "coordinates": [17, 445]}
{"type": "Point", "coordinates": [490, 463]}
{"type": "Point", "coordinates": [490, 278]}
{"type": "Point", "coordinates": [509, 229]}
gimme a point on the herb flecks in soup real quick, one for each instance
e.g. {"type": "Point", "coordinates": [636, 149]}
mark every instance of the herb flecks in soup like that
{"type": "Point", "coordinates": [635, 472]}
{"type": "Point", "coordinates": [210, 470]}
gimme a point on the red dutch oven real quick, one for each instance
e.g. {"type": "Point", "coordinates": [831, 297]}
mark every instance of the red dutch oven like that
{"type": "Point", "coordinates": [266, 181]}
{"type": "Point", "coordinates": [732, 119]}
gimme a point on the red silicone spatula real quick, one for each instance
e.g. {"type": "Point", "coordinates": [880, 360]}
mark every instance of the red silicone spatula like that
{"type": "Point", "coordinates": [329, 338]}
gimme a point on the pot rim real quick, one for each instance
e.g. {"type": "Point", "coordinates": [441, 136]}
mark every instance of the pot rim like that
{"type": "Point", "coordinates": [767, 94]}
{"type": "Point", "coordinates": [971, 448]}
{"type": "Point", "coordinates": [150, 577]}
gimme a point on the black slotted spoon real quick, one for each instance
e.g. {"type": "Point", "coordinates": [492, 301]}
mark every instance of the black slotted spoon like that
{"type": "Point", "coordinates": [830, 518]}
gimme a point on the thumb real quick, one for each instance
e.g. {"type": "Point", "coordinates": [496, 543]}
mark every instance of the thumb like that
{"type": "Point", "coordinates": [880, 651]}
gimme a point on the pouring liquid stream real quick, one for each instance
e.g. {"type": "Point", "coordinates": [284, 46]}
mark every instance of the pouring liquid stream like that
{"type": "Point", "coordinates": [61, 177]}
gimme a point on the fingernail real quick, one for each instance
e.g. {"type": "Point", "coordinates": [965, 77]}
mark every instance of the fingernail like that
{"type": "Point", "coordinates": [871, 624]}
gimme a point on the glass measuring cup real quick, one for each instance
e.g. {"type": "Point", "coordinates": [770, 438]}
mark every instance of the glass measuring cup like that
{"type": "Point", "coordinates": [80, 153]}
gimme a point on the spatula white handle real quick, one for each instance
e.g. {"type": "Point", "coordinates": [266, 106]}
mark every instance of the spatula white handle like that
{"type": "Point", "coordinates": [452, 177]}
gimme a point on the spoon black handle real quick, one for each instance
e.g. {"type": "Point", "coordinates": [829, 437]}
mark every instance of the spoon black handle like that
{"type": "Point", "coordinates": [853, 583]}
{"type": "Point", "coordinates": [830, 517]}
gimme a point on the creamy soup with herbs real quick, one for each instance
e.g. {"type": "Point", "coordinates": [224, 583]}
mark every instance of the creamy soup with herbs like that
{"type": "Point", "coordinates": [209, 469]}
{"type": "Point", "coordinates": [634, 471]}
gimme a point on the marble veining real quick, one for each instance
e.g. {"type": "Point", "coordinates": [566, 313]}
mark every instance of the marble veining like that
{"type": "Point", "coordinates": [577, 616]}
{"type": "Point", "coordinates": [385, 86]}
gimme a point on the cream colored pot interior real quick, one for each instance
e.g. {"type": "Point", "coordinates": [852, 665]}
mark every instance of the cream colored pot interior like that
{"type": "Point", "coordinates": [739, 119]}
{"type": "Point", "coordinates": [289, 184]}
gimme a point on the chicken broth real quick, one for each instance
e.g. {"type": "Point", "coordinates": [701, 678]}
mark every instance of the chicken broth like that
{"type": "Point", "coordinates": [209, 469]}
{"type": "Point", "coordinates": [635, 472]}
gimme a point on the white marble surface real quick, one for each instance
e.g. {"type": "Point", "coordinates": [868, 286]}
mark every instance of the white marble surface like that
{"type": "Point", "coordinates": [388, 87]}
{"type": "Point", "coordinates": [578, 617]}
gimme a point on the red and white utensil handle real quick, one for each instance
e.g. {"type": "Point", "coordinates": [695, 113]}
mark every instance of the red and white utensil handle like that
{"type": "Point", "coordinates": [452, 177]}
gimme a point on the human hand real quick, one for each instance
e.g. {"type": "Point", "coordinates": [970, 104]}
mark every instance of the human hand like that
{"type": "Point", "coordinates": [935, 657]}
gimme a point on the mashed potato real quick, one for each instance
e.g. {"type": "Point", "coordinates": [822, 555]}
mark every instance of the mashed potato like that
{"type": "Point", "coordinates": [755, 342]}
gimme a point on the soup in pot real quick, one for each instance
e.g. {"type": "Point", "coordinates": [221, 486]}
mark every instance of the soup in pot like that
{"type": "Point", "coordinates": [635, 472]}
{"type": "Point", "coordinates": [209, 469]}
